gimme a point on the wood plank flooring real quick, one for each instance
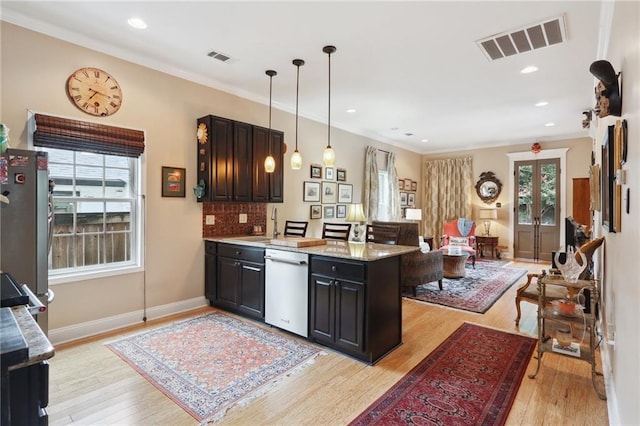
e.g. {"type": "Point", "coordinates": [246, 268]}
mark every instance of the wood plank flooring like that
{"type": "Point", "coordinates": [89, 384]}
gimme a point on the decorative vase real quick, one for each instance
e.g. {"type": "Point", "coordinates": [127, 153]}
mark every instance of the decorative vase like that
{"type": "Point", "coordinates": [571, 269]}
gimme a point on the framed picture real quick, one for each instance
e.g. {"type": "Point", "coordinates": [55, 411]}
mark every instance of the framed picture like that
{"type": "Point", "coordinates": [341, 211]}
{"type": "Point", "coordinates": [329, 212]}
{"type": "Point", "coordinates": [329, 193]}
{"type": "Point", "coordinates": [311, 191]}
{"type": "Point", "coordinates": [411, 199]}
{"type": "Point", "coordinates": [345, 193]}
{"type": "Point", "coordinates": [328, 173]}
{"type": "Point", "coordinates": [173, 179]}
{"type": "Point", "coordinates": [316, 171]}
{"type": "Point", "coordinates": [315, 211]}
{"type": "Point", "coordinates": [407, 184]}
{"type": "Point", "coordinates": [401, 184]}
{"type": "Point", "coordinates": [414, 185]}
{"type": "Point", "coordinates": [403, 198]}
{"type": "Point", "coordinates": [341, 175]}
{"type": "Point", "coordinates": [607, 181]}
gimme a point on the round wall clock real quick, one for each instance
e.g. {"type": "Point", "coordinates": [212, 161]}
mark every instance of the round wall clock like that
{"type": "Point", "coordinates": [94, 91]}
{"type": "Point", "coordinates": [201, 134]}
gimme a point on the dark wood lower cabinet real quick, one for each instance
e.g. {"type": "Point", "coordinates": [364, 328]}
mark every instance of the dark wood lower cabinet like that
{"type": "Point", "coordinates": [356, 306]}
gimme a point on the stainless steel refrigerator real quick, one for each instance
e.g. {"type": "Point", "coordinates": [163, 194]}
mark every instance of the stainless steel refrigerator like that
{"type": "Point", "coordinates": [26, 219]}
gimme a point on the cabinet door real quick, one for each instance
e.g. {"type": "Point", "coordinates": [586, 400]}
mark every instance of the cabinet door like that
{"type": "Point", "coordinates": [276, 179]}
{"type": "Point", "coordinates": [260, 152]}
{"type": "Point", "coordinates": [322, 308]}
{"type": "Point", "coordinates": [210, 269]}
{"type": "Point", "coordinates": [349, 322]}
{"type": "Point", "coordinates": [242, 161]}
{"type": "Point", "coordinates": [221, 159]}
{"type": "Point", "coordinates": [252, 289]}
{"type": "Point", "coordinates": [227, 282]}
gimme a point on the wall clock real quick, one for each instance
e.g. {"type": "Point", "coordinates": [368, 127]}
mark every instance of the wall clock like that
{"type": "Point", "coordinates": [94, 91]}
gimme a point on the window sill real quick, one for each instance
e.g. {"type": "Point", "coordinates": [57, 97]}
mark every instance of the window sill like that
{"type": "Point", "coordinates": [92, 275]}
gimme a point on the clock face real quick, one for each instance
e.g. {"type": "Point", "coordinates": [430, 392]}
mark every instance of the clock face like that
{"type": "Point", "coordinates": [94, 91]}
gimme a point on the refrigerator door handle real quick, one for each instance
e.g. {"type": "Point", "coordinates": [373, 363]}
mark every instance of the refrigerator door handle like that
{"type": "Point", "coordinates": [35, 305]}
{"type": "Point", "coordinates": [50, 296]}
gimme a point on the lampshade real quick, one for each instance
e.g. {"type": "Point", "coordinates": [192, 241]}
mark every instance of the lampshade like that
{"type": "Point", "coordinates": [270, 162]}
{"type": "Point", "coordinates": [488, 214]}
{"type": "Point", "coordinates": [296, 157]}
{"type": "Point", "coordinates": [328, 156]}
{"type": "Point", "coordinates": [414, 214]}
{"type": "Point", "coordinates": [355, 213]}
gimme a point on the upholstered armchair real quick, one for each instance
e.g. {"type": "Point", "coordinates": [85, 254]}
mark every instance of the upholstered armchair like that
{"type": "Point", "coordinates": [460, 232]}
{"type": "Point", "coordinates": [417, 267]}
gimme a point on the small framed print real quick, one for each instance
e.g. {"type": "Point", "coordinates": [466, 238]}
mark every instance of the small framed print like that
{"type": "Point", "coordinates": [414, 185]}
{"type": "Point", "coordinates": [341, 175]}
{"type": "Point", "coordinates": [311, 191]}
{"type": "Point", "coordinates": [411, 199]}
{"type": "Point", "coordinates": [315, 211]}
{"type": "Point", "coordinates": [329, 193]}
{"type": "Point", "coordinates": [403, 198]}
{"type": "Point", "coordinates": [173, 179]}
{"type": "Point", "coordinates": [345, 193]}
{"type": "Point", "coordinates": [328, 173]}
{"type": "Point", "coordinates": [341, 211]}
{"type": "Point", "coordinates": [329, 212]}
{"type": "Point", "coordinates": [401, 184]}
{"type": "Point", "coordinates": [316, 171]}
{"type": "Point", "coordinates": [407, 184]}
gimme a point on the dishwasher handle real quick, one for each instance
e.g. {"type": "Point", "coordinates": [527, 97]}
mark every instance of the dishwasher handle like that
{"type": "Point", "coordinates": [289, 261]}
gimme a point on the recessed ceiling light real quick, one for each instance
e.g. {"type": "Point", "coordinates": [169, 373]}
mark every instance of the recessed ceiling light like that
{"type": "Point", "coordinates": [137, 23]}
{"type": "Point", "coordinates": [408, 134]}
{"type": "Point", "coordinates": [529, 69]}
{"type": "Point", "coordinates": [543, 103]}
{"type": "Point", "coordinates": [424, 140]}
{"type": "Point", "coordinates": [394, 128]}
{"type": "Point", "coordinates": [550, 124]}
{"type": "Point", "coordinates": [351, 110]}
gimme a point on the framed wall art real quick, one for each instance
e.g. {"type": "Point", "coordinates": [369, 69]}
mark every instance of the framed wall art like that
{"type": "Point", "coordinates": [414, 185]}
{"type": "Point", "coordinates": [329, 193]}
{"type": "Point", "coordinates": [606, 180]}
{"type": "Point", "coordinates": [315, 211]}
{"type": "Point", "coordinates": [173, 179]}
{"type": "Point", "coordinates": [401, 184]}
{"type": "Point", "coordinates": [329, 212]}
{"type": "Point", "coordinates": [345, 193]}
{"type": "Point", "coordinates": [316, 171]}
{"type": "Point", "coordinates": [341, 175]}
{"type": "Point", "coordinates": [341, 211]}
{"type": "Point", "coordinates": [328, 173]}
{"type": "Point", "coordinates": [403, 198]}
{"type": "Point", "coordinates": [407, 184]}
{"type": "Point", "coordinates": [411, 199]}
{"type": "Point", "coordinates": [311, 191]}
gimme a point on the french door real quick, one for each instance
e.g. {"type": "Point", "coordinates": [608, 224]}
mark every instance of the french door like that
{"type": "Point", "coordinates": [537, 208]}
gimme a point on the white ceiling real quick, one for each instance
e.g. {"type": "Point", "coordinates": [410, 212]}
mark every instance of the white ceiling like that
{"type": "Point", "coordinates": [406, 67]}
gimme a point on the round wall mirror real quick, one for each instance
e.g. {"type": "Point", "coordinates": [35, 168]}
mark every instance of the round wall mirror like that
{"type": "Point", "coordinates": [488, 187]}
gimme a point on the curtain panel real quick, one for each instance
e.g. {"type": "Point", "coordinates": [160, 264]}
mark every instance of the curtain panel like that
{"type": "Point", "coordinates": [447, 186]}
{"type": "Point", "coordinates": [371, 184]}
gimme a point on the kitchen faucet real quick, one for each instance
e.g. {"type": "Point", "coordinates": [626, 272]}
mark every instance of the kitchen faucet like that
{"type": "Point", "coordinates": [274, 217]}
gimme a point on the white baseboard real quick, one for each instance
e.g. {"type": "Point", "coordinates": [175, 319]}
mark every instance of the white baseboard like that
{"type": "Point", "coordinates": [612, 401]}
{"type": "Point", "coordinates": [90, 328]}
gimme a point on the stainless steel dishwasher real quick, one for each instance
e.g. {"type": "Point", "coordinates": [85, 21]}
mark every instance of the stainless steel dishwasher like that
{"type": "Point", "coordinates": [287, 290]}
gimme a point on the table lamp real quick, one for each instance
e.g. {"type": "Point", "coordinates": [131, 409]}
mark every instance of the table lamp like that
{"type": "Point", "coordinates": [488, 214]}
{"type": "Point", "coordinates": [355, 213]}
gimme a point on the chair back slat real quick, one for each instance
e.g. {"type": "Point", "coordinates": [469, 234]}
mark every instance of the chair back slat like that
{"type": "Point", "coordinates": [383, 234]}
{"type": "Point", "coordinates": [295, 228]}
{"type": "Point", "coordinates": [336, 231]}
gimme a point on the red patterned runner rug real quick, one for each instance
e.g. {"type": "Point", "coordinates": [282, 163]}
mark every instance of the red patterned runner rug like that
{"type": "Point", "coordinates": [211, 362]}
{"type": "Point", "coordinates": [470, 379]}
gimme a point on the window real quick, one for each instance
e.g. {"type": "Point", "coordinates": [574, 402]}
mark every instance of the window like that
{"type": "Point", "coordinates": [95, 211]}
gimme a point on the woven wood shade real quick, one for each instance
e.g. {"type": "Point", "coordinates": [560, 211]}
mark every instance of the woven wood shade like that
{"type": "Point", "coordinates": [76, 135]}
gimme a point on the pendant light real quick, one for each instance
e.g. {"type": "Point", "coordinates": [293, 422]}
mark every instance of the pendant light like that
{"type": "Point", "coordinates": [270, 162]}
{"type": "Point", "coordinates": [296, 158]}
{"type": "Point", "coordinates": [328, 156]}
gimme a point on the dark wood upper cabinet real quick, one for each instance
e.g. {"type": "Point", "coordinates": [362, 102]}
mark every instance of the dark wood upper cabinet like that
{"type": "Point", "coordinates": [242, 161]}
{"type": "Point", "coordinates": [268, 187]}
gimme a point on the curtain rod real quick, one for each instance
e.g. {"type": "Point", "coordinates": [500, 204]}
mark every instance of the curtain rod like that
{"type": "Point", "coordinates": [383, 150]}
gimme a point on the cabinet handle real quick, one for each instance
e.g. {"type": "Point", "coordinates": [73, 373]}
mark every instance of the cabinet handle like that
{"type": "Point", "coordinates": [334, 268]}
{"type": "Point", "coordinates": [237, 252]}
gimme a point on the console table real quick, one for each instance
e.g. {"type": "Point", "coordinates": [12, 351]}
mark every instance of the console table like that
{"type": "Point", "coordinates": [485, 241]}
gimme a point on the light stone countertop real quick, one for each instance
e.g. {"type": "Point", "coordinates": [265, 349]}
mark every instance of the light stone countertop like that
{"type": "Point", "coordinates": [40, 348]}
{"type": "Point", "coordinates": [366, 252]}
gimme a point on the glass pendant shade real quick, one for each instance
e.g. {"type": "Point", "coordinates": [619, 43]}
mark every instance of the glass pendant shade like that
{"type": "Point", "coordinates": [296, 160]}
{"type": "Point", "coordinates": [328, 156]}
{"type": "Point", "coordinates": [269, 164]}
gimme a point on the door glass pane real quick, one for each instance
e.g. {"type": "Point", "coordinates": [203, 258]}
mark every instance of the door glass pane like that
{"type": "Point", "coordinates": [525, 191]}
{"type": "Point", "coordinates": [548, 194]}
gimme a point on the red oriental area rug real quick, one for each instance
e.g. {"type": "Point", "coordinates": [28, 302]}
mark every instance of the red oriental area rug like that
{"type": "Point", "coordinates": [211, 362]}
{"type": "Point", "coordinates": [470, 379]}
{"type": "Point", "coordinates": [476, 292]}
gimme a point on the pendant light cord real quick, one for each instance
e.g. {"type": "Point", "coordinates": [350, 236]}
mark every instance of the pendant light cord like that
{"type": "Point", "coordinates": [270, 90]}
{"type": "Point", "coordinates": [329, 108]}
{"type": "Point", "coordinates": [297, 93]}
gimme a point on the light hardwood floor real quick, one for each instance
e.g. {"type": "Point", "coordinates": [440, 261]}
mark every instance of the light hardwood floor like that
{"type": "Point", "coordinates": [90, 385]}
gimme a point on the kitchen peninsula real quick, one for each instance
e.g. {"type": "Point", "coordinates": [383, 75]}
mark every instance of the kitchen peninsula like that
{"type": "Point", "coordinates": [352, 290]}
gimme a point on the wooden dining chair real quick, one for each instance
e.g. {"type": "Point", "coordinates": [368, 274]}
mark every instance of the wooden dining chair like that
{"type": "Point", "coordinates": [336, 231]}
{"type": "Point", "coordinates": [295, 228]}
{"type": "Point", "coordinates": [383, 234]}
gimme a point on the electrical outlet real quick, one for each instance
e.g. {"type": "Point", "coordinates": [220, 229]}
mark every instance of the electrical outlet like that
{"type": "Point", "coordinates": [243, 218]}
{"type": "Point", "coordinates": [210, 219]}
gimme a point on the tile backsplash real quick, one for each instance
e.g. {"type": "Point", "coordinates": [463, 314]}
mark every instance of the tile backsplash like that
{"type": "Point", "coordinates": [227, 218]}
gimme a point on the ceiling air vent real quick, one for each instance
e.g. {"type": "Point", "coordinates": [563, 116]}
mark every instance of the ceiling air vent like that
{"type": "Point", "coordinates": [534, 36]}
{"type": "Point", "coordinates": [219, 56]}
